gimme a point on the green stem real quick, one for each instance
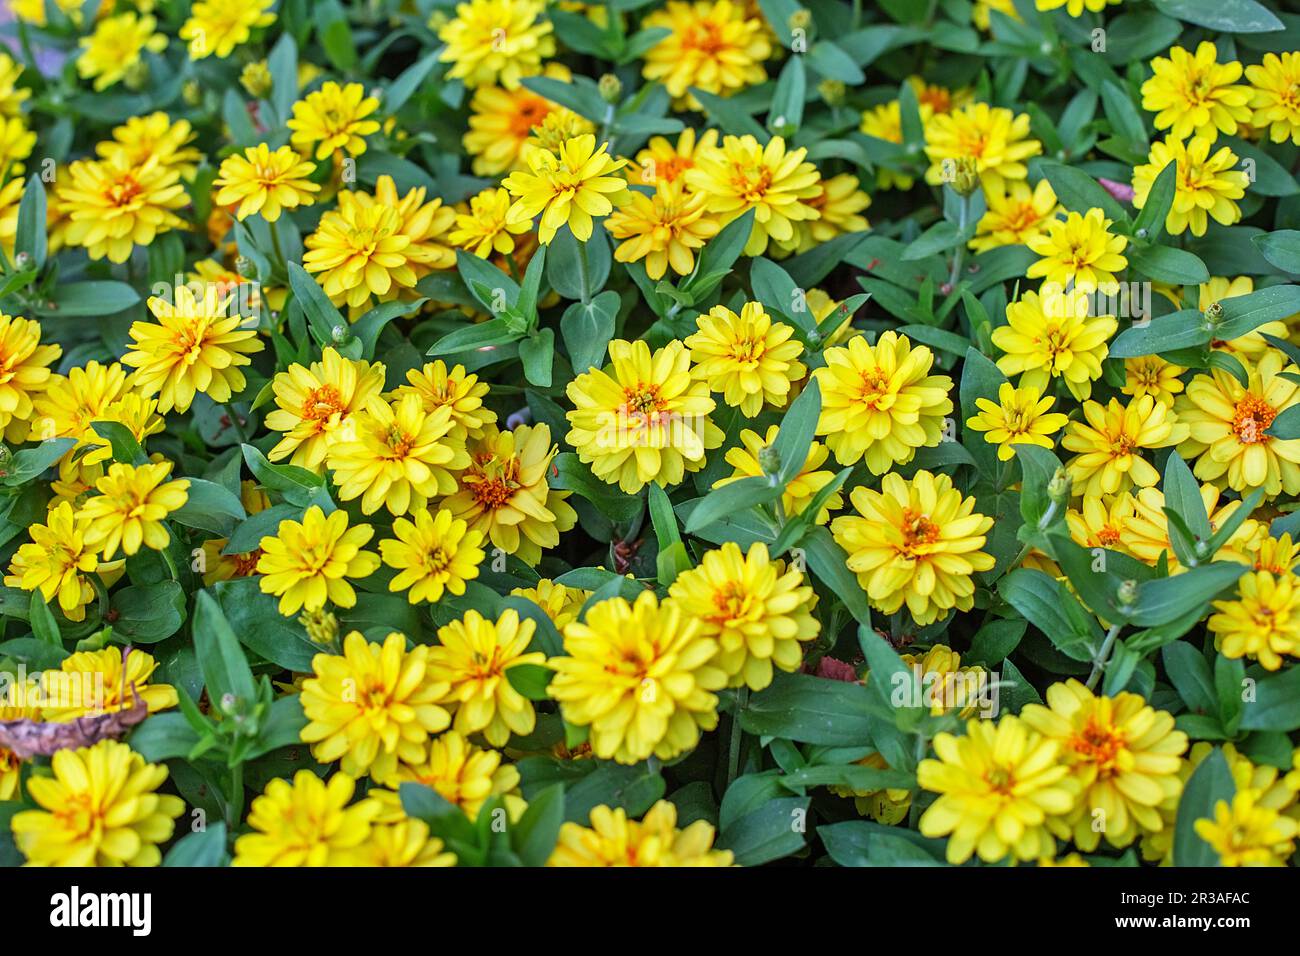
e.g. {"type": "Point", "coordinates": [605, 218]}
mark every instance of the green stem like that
{"type": "Point", "coordinates": [235, 799]}
{"type": "Point", "coordinates": [737, 735]}
{"type": "Point", "coordinates": [914, 810]}
{"type": "Point", "coordinates": [279, 253]}
{"type": "Point", "coordinates": [583, 269]}
{"type": "Point", "coordinates": [962, 217]}
{"type": "Point", "coordinates": [234, 423]}
{"type": "Point", "coordinates": [1103, 655]}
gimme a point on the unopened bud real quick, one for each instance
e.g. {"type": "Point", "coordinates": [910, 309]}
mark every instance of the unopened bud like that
{"type": "Point", "coordinates": [192, 92]}
{"type": "Point", "coordinates": [22, 261]}
{"type": "Point", "coordinates": [6, 457]}
{"type": "Point", "coordinates": [1127, 593]}
{"type": "Point", "coordinates": [1214, 314]}
{"type": "Point", "coordinates": [322, 626]}
{"type": "Point", "coordinates": [256, 79]}
{"type": "Point", "coordinates": [966, 177]}
{"type": "Point", "coordinates": [137, 75]}
{"type": "Point", "coordinates": [340, 334]}
{"type": "Point", "coordinates": [611, 88]}
{"type": "Point", "coordinates": [1058, 487]}
{"type": "Point", "coordinates": [799, 20]}
{"type": "Point", "coordinates": [769, 459]}
{"type": "Point", "coordinates": [228, 704]}
{"type": "Point", "coordinates": [831, 92]}
{"type": "Point", "coordinates": [244, 266]}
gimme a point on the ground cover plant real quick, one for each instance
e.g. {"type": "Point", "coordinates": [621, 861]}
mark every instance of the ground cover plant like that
{"type": "Point", "coordinates": [650, 432]}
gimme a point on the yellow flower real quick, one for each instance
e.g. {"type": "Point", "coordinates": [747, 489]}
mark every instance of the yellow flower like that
{"type": "Point", "coordinates": [945, 685]}
{"type": "Point", "coordinates": [1109, 444]}
{"type": "Point", "coordinates": [405, 843]}
{"type": "Point", "coordinates": [884, 122]}
{"type": "Point", "coordinates": [129, 510]}
{"type": "Point", "coordinates": [557, 128]}
{"type": "Point", "coordinates": [614, 840]}
{"type": "Point", "coordinates": [718, 47]}
{"type": "Point", "coordinates": [115, 47]}
{"type": "Point", "coordinates": [196, 346]}
{"type": "Point", "coordinates": [307, 563]}
{"type": "Point", "coordinates": [1124, 754]}
{"type": "Point", "coordinates": [560, 602]}
{"type": "Point", "coordinates": [19, 701]}
{"type": "Point", "coordinates": [1244, 833]}
{"type": "Point", "coordinates": [11, 197]}
{"type": "Point", "coordinates": [16, 144]}
{"type": "Point", "coordinates": [1194, 94]}
{"type": "Point", "coordinates": [307, 823]}
{"type": "Point", "coordinates": [1152, 375]}
{"type": "Point", "coordinates": [56, 562]}
{"type": "Point", "coordinates": [218, 26]}
{"type": "Point", "coordinates": [473, 656]}
{"type": "Point", "coordinates": [372, 706]}
{"type": "Point", "coordinates": [112, 207]}
{"type": "Point", "coordinates": [1079, 250]}
{"type": "Point", "coordinates": [265, 182]}
{"type": "Point", "coordinates": [1205, 184]}
{"type": "Point", "coordinates": [68, 405]}
{"type": "Point", "coordinates": [400, 457]}
{"type": "Point", "coordinates": [571, 186]}
{"type": "Point", "coordinates": [1102, 521]}
{"type": "Point", "coordinates": [154, 136]}
{"type": "Point", "coordinates": [220, 566]}
{"type": "Point", "coordinates": [432, 555]}
{"type": "Point", "coordinates": [1262, 621]}
{"type": "Point", "coordinates": [333, 118]}
{"type": "Point", "coordinates": [1229, 427]}
{"type": "Point", "coordinates": [484, 229]}
{"type": "Point", "coordinates": [748, 357]}
{"type": "Point", "coordinates": [776, 183]}
{"type": "Point", "coordinates": [995, 138]}
{"type": "Point", "coordinates": [932, 98]}
{"type": "Point", "coordinates": [101, 682]}
{"type": "Point", "coordinates": [755, 608]}
{"type": "Point", "coordinates": [1276, 555]}
{"type": "Point", "coordinates": [1253, 344]}
{"type": "Point", "coordinates": [916, 543]}
{"type": "Point", "coordinates": [880, 402]}
{"type": "Point", "coordinates": [1052, 336]}
{"type": "Point", "coordinates": [24, 369]}
{"type": "Point", "coordinates": [463, 774]}
{"type": "Point", "coordinates": [837, 204]}
{"type": "Point", "coordinates": [1275, 96]}
{"type": "Point", "coordinates": [12, 96]}
{"type": "Point", "coordinates": [1016, 216]}
{"type": "Point", "coordinates": [1020, 416]}
{"type": "Point", "coordinates": [1148, 529]}
{"type": "Point", "coordinates": [640, 676]}
{"type": "Point", "coordinates": [1075, 8]}
{"type": "Point", "coordinates": [496, 42]}
{"type": "Point", "coordinates": [501, 121]}
{"type": "Point", "coordinates": [663, 164]}
{"type": "Point", "coordinates": [457, 389]}
{"type": "Point", "coordinates": [504, 493]}
{"type": "Point", "coordinates": [799, 490]}
{"type": "Point", "coordinates": [998, 787]}
{"type": "Point", "coordinates": [664, 229]}
{"type": "Point", "coordinates": [317, 403]}
{"type": "Point", "coordinates": [100, 807]}
{"type": "Point", "coordinates": [884, 805]}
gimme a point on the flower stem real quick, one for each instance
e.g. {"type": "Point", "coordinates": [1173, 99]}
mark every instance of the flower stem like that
{"type": "Point", "coordinates": [737, 736]}
{"type": "Point", "coordinates": [1103, 655]}
{"type": "Point", "coordinates": [583, 270]}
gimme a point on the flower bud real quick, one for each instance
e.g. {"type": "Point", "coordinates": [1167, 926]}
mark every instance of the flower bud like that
{"type": "Point", "coordinates": [611, 88]}
{"type": "Point", "coordinates": [769, 459]}
{"type": "Point", "coordinates": [1058, 488]}
{"type": "Point", "coordinates": [1214, 314]}
{"type": "Point", "coordinates": [966, 178]}
{"type": "Point", "coordinates": [192, 93]}
{"type": "Point", "coordinates": [244, 266]}
{"type": "Point", "coordinates": [256, 79]}
{"type": "Point", "coordinates": [1127, 593]}
{"type": "Point", "coordinates": [831, 92]}
{"type": "Point", "coordinates": [322, 626]}
{"type": "Point", "coordinates": [341, 334]}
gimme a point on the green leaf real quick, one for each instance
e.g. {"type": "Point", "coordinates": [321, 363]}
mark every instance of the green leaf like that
{"type": "Point", "coordinates": [1165, 264]}
{"type": "Point", "coordinates": [1046, 604]}
{"type": "Point", "coordinates": [335, 34]}
{"type": "Point", "coordinates": [785, 115]}
{"type": "Point", "coordinates": [202, 848]}
{"type": "Point", "coordinates": [795, 436]}
{"type": "Point", "coordinates": [297, 485]}
{"type": "Point", "coordinates": [149, 613]}
{"type": "Point", "coordinates": [767, 833]}
{"type": "Point", "coordinates": [321, 314]}
{"type": "Point", "coordinates": [367, 328]}
{"type": "Point", "coordinates": [1179, 330]}
{"type": "Point", "coordinates": [1183, 494]}
{"type": "Point", "coordinates": [1245, 313]}
{"type": "Point", "coordinates": [209, 507]}
{"type": "Point", "coordinates": [225, 669]}
{"type": "Point", "coordinates": [1165, 599]}
{"type": "Point", "coordinates": [1209, 783]}
{"type": "Point", "coordinates": [30, 237]}
{"type": "Point", "coordinates": [1276, 706]}
{"type": "Point", "coordinates": [1191, 676]}
{"type": "Point", "coordinates": [1281, 248]}
{"type": "Point", "coordinates": [98, 298]}
{"type": "Point", "coordinates": [734, 496]}
{"type": "Point", "coordinates": [537, 351]}
{"type": "Point", "coordinates": [1079, 192]}
{"type": "Point", "coordinates": [535, 835]}
{"type": "Point", "coordinates": [41, 618]}
{"type": "Point", "coordinates": [1227, 16]}
{"type": "Point", "coordinates": [1150, 221]}
{"type": "Point", "coordinates": [30, 463]}
{"type": "Point", "coordinates": [261, 627]}
{"type": "Point", "coordinates": [718, 256]}
{"type": "Point", "coordinates": [810, 710]}
{"type": "Point", "coordinates": [827, 560]}
{"type": "Point", "coordinates": [587, 329]}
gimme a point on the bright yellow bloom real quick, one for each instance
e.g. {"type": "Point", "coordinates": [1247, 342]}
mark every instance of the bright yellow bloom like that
{"type": "Point", "coordinates": [463, 774]}
{"type": "Point", "coordinates": [155, 136]}
{"type": "Point", "coordinates": [1147, 531]}
{"type": "Point", "coordinates": [484, 229]}
{"type": "Point", "coordinates": [838, 204]}
{"type": "Point", "coordinates": [501, 121]}
{"type": "Point", "coordinates": [1052, 336]}
{"type": "Point", "coordinates": [333, 118]}
{"type": "Point", "coordinates": [1205, 185]}
{"type": "Point", "coordinates": [220, 566]}
{"type": "Point", "coordinates": [405, 843]}
{"type": "Point", "coordinates": [640, 676]}
{"type": "Point", "coordinates": [1016, 216]}
{"type": "Point", "coordinates": [884, 805]}
{"type": "Point", "coordinates": [757, 610]}
{"type": "Point", "coordinates": [16, 144]}
{"type": "Point", "coordinates": [946, 686]}
{"type": "Point", "coordinates": [11, 197]}
{"type": "Point", "coordinates": [1152, 375]}
{"type": "Point", "coordinates": [880, 402]}
{"type": "Point", "coordinates": [1244, 833]}
{"type": "Point", "coordinates": [218, 26]}
{"type": "Point", "coordinates": [644, 418]}
{"type": "Point", "coordinates": [12, 96]}
{"type": "Point", "coordinates": [1124, 754]}
{"type": "Point", "coordinates": [884, 122]}
{"type": "Point", "coordinates": [372, 706]}
{"type": "Point", "coordinates": [129, 510]}
{"type": "Point", "coordinates": [400, 457]}
{"type": "Point", "coordinates": [307, 563]}
{"type": "Point", "coordinates": [317, 403]}
{"type": "Point", "coordinates": [1102, 521]}
{"type": "Point", "coordinates": [1194, 94]}
{"type": "Point", "coordinates": [432, 555]}
{"type": "Point", "coordinates": [1229, 424]}
{"type": "Point", "coordinates": [614, 840]}
{"type": "Point", "coordinates": [995, 138]}
{"type": "Point", "coordinates": [1075, 8]}
{"type": "Point", "coordinates": [570, 186]}
{"type": "Point", "coordinates": [1276, 555]}
{"type": "Point", "coordinates": [457, 389]}
{"type": "Point", "coordinates": [19, 701]}
{"type": "Point", "coordinates": [664, 229]}
{"type": "Point", "coordinates": [799, 490]}
{"type": "Point", "coordinates": [98, 808]}
{"type": "Point", "coordinates": [196, 346]}
{"type": "Point", "coordinates": [24, 369]}
{"type": "Point", "coordinates": [718, 47]}
{"type": "Point", "coordinates": [472, 657]}
{"type": "Point", "coordinates": [998, 787]}
{"type": "Point", "coordinates": [496, 42]}
{"type": "Point", "coordinates": [1262, 621]}
{"type": "Point", "coordinates": [1275, 96]}
{"type": "Point", "coordinates": [1253, 344]}
{"type": "Point", "coordinates": [1108, 445]}
{"type": "Point", "coordinates": [749, 358]}
{"type": "Point", "coordinates": [504, 493]}
{"type": "Point", "coordinates": [979, 14]}
{"type": "Point", "coordinates": [1020, 416]}
{"type": "Point", "coordinates": [663, 164]}
{"type": "Point", "coordinates": [917, 543]}
{"type": "Point", "coordinates": [112, 207]}
{"type": "Point", "coordinates": [932, 98]}
{"type": "Point", "coordinates": [307, 823]}
{"type": "Point", "coordinates": [777, 183]}
{"type": "Point", "coordinates": [56, 562]}
{"type": "Point", "coordinates": [560, 602]}
{"type": "Point", "coordinates": [557, 128]}
{"type": "Point", "coordinates": [33, 11]}
{"type": "Point", "coordinates": [101, 682]}
{"type": "Point", "coordinates": [265, 182]}
{"type": "Point", "coordinates": [1079, 250]}
{"type": "Point", "coordinates": [115, 47]}
{"type": "Point", "coordinates": [68, 405]}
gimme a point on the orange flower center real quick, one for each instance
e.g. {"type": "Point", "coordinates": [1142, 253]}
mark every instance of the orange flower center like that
{"type": "Point", "coordinates": [492, 481]}
{"type": "Point", "coordinates": [322, 403]}
{"type": "Point", "coordinates": [1251, 420]}
{"type": "Point", "coordinates": [918, 530]}
{"type": "Point", "coordinates": [643, 400]}
{"type": "Point", "coordinates": [1108, 535]}
{"type": "Point", "coordinates": [705, 37]}
{"type": "Point", "coordinates": [124, 191]}
{"type": "Point", "coordinates": [530, 112]}
{"type": "Point", "coordinates": [1100, 746]}
{"type": "Point", "coordinates": [399, 442]}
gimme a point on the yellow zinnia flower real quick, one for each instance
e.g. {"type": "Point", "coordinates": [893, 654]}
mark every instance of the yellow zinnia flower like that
{"type": "Point", "coordinates": [663, 164]}
{"type": "Point", "coordinates": [614, 840]}
{"type": "Point", "coordinates": [1253, 344]}
{"type": "Point", "coordinates": [1074, 8]}
{"type": "Point", "coordinates": [307, 823]}
{"type": "Point", "coordinates": [1152, 375]}
{"type": "Point", "coordinates": [12, 96]}
{"type": "Point", "coordinates": [102, 682]}
{"type": "Point", "coordinates": [570, 186]}
{"type": "Point", "coordinates": [749, 358]}
{"type": "Point", "coordinates": [501, 121]}
{"type": "Point", "coordinates": [496, 42]}
{"type": "Point", "coordinates": [1016, 215]}
{"type": "Point", "coordinates": [472, 657]}
{"type": "Point", "coordinates": [1276, 555]}
{"type": "Point", "coordinates": [129, 510]}
{"type": "Point", "coordinates": [1147, 531]}
{"type": "Point", "coordinates": [1110, 442]}
{"type": "Point", "coordinates": [995, 138]}
{"type": "Point", "coordinates": [405, 843]}
{"type": "Point", "coordinates": [640, 676]}
{"type": "Point", "coordinates": [1079, 251]}
{"type": "Point", "coordinates": [334, 118]}
{"type": "Point", "coordinates": [1020, 416]}
{"type": "Point", "coordinates": [16, 144]}
{"type": "Point", "coordinates": [432, 555]}
{"type": "Point", "coordinates": [113, 207]}
{"type": "Point", "coordinates": [307, 563]}
{"type": "Point", "coordinates": [1102, 521]}
{"type": "Point", "coordinates": [463, 774]}
{"type": "Point", "coordinates": [801, 489]}
{"type": "Point", "coordinates": [461, 391]}
{"type": "Point", "coordinates": [1245, 833]}
{"type": "Point", "coordinates": [1194, 94]}
{"type": "Point", "coordinates": [218, 26]}
{"type": "Point", "coordinates": [372, 706]}
{"type": "Point", "coordinates": [317, 403]}
{"type": "Point", "coordinates": [24, 370]}
{"type": "Point", "coordinates": [1275, 96]}
{"type": "Point", "coordinates": [885, 122]}
{"type": "Point", "coordinates": [263, 181]}
{"type": "Point", "coordinates": [100, 807]}
{"type": "Point", "coordinates": [115, 47]}
{"type": "Point", "coordinates": [880, 402]}
{"type": "Point", "coordinates": [1262, 621]}
{"type": "Point", "coordinates": [1052, 336]}
{"type": "Point", "coordinates": [664, 229]}
{"type": "Point", "coordinates": [838, 204]}
{"type": "Point", "coordinates": [485, 229]}
{"type": "Point", "coordinates": [718, 47]}
{"type": "Point", "coordinates": [916, 543]}
{"type": "Point", "coordinates": [1205, 185]}
{"type": "Point", "coordinates": [56, 561]}
{"type": "Point", "coordinates": [155, 136]}
{"type": "Point", "coordinates": [560, 602]}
